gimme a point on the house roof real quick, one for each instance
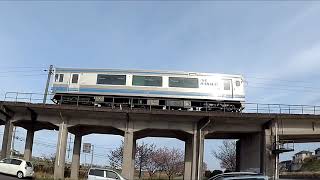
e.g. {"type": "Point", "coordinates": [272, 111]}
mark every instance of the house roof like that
{"type": "Point", "coordinates": [284, 162]}
{"type": "Point", "coordinates": [304, 152]}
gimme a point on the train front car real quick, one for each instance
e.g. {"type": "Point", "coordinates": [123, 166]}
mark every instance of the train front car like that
{"type": "Point", "coordinates": [148, 89]}
{"type": "Point", "coordinates": [225, 92]}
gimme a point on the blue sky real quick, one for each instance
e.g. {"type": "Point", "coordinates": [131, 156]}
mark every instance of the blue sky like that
{"type": "Point", "coordinates": [275, 45]}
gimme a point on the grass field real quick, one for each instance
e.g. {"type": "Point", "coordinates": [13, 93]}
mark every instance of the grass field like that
{"type": "Point", "coordinates": [311, 166]}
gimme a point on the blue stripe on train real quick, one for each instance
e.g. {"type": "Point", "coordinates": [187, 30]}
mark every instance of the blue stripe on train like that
{"type": "Point", "coordinates": [60, 89]}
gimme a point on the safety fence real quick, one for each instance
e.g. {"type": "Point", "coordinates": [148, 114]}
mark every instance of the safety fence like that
{"type": "Point", "coordinates": [120, 102]}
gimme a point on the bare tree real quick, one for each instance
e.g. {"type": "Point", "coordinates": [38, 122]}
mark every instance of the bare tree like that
{"type": "Point", "coordinates": [143, 156]}
{"type": "Point", "coordinates": [147, 157]}
{"type": "Point", "coordinates": [204, 167]}
{"type": "Point", "coordinates": [227, 155]}
{"type": "Point", "coordinates": [170, 161]}
{"type": "Point", "coordinates": [45, 164]}
{"type": "Point", "coordinates": [116, 157]}
{"type": "Point", "coordinates": [151, 164]}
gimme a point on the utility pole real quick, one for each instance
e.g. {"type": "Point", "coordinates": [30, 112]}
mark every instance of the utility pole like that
{"type": "Point", "coordinates": [92, 147]}
{"type": "Point", "coordinates": [69, 146]}
{"type": "Point", "coordinates": [85, 160]}
{"type": "Point", "coordinates": [276, 174]}
{"type": "Point", "coordinates": [50, 72]}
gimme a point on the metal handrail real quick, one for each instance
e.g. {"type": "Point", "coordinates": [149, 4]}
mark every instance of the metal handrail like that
{"type": "Point", "coordinates": [249, 107]}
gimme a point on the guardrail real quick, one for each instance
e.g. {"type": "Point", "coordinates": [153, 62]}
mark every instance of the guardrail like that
{"type": "Point", "coordinates": [117, 103]}
{"type": "Point", "coordinates": [24, 97]}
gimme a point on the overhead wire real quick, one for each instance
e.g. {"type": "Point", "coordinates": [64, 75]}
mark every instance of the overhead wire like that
{"type": "Point", "coordinates": [273, 83]}
{"type": "Point", "coordinates": [271, 90]}
{"type": "Point", "coordinates": [278, 79]}
{"type": "Point", "coordinates": [265, 85]}
{"type": "Point", "coordinates": [53, 146]}
{"type": "Point", "coordinates": [42, 68]}
{"type": "Point", "coordinates": [306, 90]}
{"type": "Point", "coordinates": [24, 75]}
{"type": "Point", "coordinates": [281, 84]}
{"type": "Point", "coordinates": [46, 141]}
{"type": "Point", "coordinates": [276, 83]}
{"type": "Point", "coordinates": [22, 71]}
{"type": "Point", "coordinates": [22, 67]}
{"type": "Point", "coordinates": [15, 71]}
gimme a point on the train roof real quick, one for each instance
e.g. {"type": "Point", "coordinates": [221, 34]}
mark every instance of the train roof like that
{"type": "Point", "coordinates": [135, 71]}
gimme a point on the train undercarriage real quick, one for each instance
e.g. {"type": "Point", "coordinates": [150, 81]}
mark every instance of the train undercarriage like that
{"type": "Point", "coordinates": [147, 103]}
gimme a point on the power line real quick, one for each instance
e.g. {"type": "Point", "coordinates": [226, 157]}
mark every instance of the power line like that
{"type": "Point", "coordinates": [22, 75]}
{"type": "Point", "coordinates": [52, 143]}
{"type": "Point", "coordinates": [284, 89]}
{"type": "Point", "coordinates": [275, 85]}
{"type": "Point", "coordinates": [19, 71]}
{"type": "Point", "coordinates": [277, 79]}
{"type": "Point", "coordinates": [50, 146]}
{"type": "Point", "coordinates": [280, 84]}
{"type": "Point", "coordinates": [22, 67]}
{"type": "Point", "coordinates": [47, 144]}
{"type": "Point", "coordinates": [106, 148]}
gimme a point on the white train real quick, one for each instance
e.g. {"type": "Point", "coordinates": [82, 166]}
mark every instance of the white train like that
{"type": "Point", "coordinates": [149, 89]}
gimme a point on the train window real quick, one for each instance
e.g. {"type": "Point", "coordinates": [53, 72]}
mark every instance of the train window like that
{"type": "Point", "coordinates": [111, 79]}
{"type": "Point", "coordinates": [61, 77]}
{"type": "Point", "coordinates": [226, 85]}
{"type": "Point", "coordinates": [75, 78]}
{"type": "Point", "coordinates": [147, 81]}
{"type": "Point", "coordinates": [237, 83]}
{"type": "Point", "coordinates": [183, 82]}
{"type": "Point", "coordinates": [56, 77]}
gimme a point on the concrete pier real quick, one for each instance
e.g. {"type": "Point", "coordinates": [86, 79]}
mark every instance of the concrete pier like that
{"type": "Point", "coordinates": [75, 165]}
{"type": "Point", "coordinates": [193, 156]}
{"type": "Point", "coordinates": [250, 152]}
{"type": "Point", "coordinates": [7, 138]}
{"type": "Point", "coordinates": [268, 158]}
{"type": "Point", "coordinates": [61, 151]}
{"type": "Point", "coordinates": [128, 155]}
{"type": "Point", "coordinates": [199, 154]}
{"type": "Point", "coordinates": [28, 146]}
{"type": "Point", "coordinates": [188, 158]}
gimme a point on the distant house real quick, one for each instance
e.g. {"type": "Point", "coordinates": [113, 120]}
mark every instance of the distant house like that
{"type": "Point", "coordinates": [285, 166]}
{"type": "Point", "coordinates": [317, 153]}
{"type": "Point", "coordinates": [297, 160]}
{"type": "Point", "coordinates": [299, 157]}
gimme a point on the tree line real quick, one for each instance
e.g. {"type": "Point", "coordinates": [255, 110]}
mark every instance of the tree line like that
{"type": "Point", "coordinates": [151, 159]}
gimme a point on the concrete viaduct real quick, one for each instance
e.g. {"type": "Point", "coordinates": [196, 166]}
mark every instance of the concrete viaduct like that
{"type": "Point", "coordinates": [256, 132]}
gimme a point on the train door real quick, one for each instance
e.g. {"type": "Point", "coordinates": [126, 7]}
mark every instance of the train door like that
{"type": "Point", "coordinates": [228, 88]}
{"type": "Point", "coordinates": [74, 82]}
{"type": "Point", "coordinates": [238, 89]}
